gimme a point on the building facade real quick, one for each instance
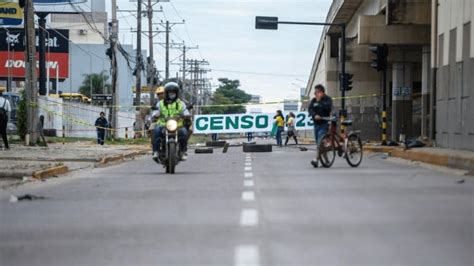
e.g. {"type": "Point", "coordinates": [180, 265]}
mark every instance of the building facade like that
{"type": "Point", "coordinates": [429, 75]}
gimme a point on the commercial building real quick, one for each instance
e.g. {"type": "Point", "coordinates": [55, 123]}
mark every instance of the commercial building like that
{"type": "Point", "coordinates": [430, 67]}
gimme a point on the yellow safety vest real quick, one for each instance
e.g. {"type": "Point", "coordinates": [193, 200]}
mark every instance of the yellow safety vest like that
{"type": "Point", "coordinates": [171, 110]}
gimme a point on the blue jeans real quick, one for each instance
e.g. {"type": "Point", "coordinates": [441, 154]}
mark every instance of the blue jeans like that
{"type": "Point", "coordinates": [158, 134]}
{"type": "Point", "coordinates": [100, 136]}
{"type": "Point", "coordinates": [320, 131]}
{"type": "Point", "coordinates": [278, 136]}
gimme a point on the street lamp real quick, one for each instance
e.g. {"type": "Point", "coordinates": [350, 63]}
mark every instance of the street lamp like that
{"type": "Point", "coordinates": [271, 23]}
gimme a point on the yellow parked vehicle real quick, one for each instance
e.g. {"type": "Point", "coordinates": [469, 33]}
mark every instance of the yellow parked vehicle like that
{"type": "Point", "coordinates": [73, 97]}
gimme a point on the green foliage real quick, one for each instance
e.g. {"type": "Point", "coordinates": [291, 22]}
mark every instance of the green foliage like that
{"type": "Point", "coordinates": [98, 82]}
{"type": "Point", "coordinates": [228, 93]}
{"type": "Point", "coordinates": [22, 116]}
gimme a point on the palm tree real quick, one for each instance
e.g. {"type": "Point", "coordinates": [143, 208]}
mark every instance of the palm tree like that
{"type": "Point", "coordinates": [95, 83]}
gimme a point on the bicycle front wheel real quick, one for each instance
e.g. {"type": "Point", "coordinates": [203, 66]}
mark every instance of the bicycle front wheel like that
{"type": "Point", "coordinates": [354, 150]}
{"type": "Point", "coordinates": [326, 151]}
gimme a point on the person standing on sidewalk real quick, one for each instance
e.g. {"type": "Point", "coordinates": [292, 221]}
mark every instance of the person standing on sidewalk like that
{"type": "Point", "coordinates": [101, 124]}
{"type": "Point", "coordinates": [280, 123]}
{"type": "Point", "coordinates": [291, 128]}
{"type": "Point", "coordinates": [249, 136]}
{"type": "Point", "coordinates": [319, 107]}
{"type": "Point", "coordinates": [5, 110]}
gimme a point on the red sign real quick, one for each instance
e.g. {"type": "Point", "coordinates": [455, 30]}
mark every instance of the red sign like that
{"type": "Point", "coordinates": [13, 64]}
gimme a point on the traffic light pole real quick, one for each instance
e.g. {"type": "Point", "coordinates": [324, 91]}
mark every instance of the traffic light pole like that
{"type": "Point", "coordinates": [384, 107]}
{"type": "Point", "coordinates": [342, 112]}
{"type": "Point", "coordinates": [344, 84]}
{"type": "Point", "coordinates": [380, 64]}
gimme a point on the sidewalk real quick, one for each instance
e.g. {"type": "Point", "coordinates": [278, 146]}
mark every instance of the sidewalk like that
{"type": "Point", "coordinates": [459, 159]}
{"type": "Point", "coordinates": [21, 162]}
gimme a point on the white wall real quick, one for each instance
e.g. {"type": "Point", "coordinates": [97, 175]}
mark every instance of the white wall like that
{"type": "Point", "coordinates": [78, 119]}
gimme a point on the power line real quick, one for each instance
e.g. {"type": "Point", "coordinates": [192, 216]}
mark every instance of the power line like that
{"type": "Point", "coordinates": [259, 73]}
{"type": "Point", "coordinates": [186, 29]}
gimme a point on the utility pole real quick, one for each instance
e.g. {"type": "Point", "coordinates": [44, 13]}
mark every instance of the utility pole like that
{"type": "Point", "coordinates": [167, 25]}
{"type": "Point", "coordinates": [198, 81]}
{"type": "Point", "coordinates": [182, 46]}
{"type": "Point", "coordinates": [30, 77]}
{"type": "Point", "coordinates": [42, 51]}
{"type": "Point", "coordinates": [167, 69]}
{"type": "Point", "coordinates": [151, 66]}
{"type": "Point", "coordinates": [114, 66]}
{"type": "Point", "coordinates": [151, 60]}
{"type": "Point", "coordinates": [138, 70]}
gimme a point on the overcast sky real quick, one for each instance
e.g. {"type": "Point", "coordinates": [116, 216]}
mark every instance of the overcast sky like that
{"type": "Point", "coordinates": [226, 35]}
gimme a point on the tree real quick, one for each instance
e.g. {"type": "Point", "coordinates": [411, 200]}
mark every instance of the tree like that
{"type": "Point", "coordinates": [230, 97]}
{"type": "Point", "coordinates": [98, 82]}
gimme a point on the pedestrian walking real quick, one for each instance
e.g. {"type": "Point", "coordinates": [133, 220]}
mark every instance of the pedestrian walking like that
{"type": "Point", "coordinates": [5, 110]}
{"type": "Point", "coordinates": [249, 136]}
{"type": "Point", "coordinates": [291, 128]}
{"type": "Point", "coordinates": [319, 107]}
{"type": "Point", "coordinates": [280, 127]}
{"type": "Point", "coordinates": [101, 124]}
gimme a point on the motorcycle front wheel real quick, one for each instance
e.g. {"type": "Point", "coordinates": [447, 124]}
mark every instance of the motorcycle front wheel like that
{"type": "Point", "coordinates": [170, 167]}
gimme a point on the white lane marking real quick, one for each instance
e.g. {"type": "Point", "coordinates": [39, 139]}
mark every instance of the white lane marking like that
{"type": "Point", "coordinates": [248, 168]}
{"type": "Point", "coordinates": [248, 175]}
{"type": "Point", "coordinates": [248, 164]}
{"type": "Point", "coordinates": [248, 160]}
{"type": "Point", "coordinates": [248, 196]}
{"type": "Point", "coordinates": [246, 255]}
{"type": "Point", "coordinates": [249, 217]}
{"type": "Point", "coordinates": [248, 183]}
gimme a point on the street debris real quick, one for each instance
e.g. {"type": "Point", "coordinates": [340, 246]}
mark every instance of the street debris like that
{"type": "Point", "coordinates": [226, 147]}
{"type": "Point", "coordinates": [14, 198]}
{"type": "Point", "coordinates": [203, 150]}
{"type": "Point", "coordinates": [462, 181]}
{"type": "Point", "coordinates": [303, 149]}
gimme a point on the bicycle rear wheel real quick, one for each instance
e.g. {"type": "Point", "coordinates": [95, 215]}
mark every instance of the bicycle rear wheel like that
{"type": "Point", "coordinates": [326, 151]}
{"type": "Point", "coordinates": [354, 150]}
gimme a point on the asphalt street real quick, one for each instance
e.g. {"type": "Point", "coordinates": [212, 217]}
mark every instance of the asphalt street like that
{"type": "Point", "coordinates": [243, 209]}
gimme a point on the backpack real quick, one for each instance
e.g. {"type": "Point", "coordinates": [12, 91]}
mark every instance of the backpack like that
{"type": "Point", "coordinates": [3, 111]}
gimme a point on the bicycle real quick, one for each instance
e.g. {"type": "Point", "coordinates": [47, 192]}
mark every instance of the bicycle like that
{"type": "Point", "coordinates": [348, 145]}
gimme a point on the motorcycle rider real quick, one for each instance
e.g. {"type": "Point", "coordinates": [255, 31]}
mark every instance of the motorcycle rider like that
{"type": "Point", "coordinates": [170, 107]}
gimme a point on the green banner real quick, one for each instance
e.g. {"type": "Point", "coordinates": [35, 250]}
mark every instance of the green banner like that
{"type": "Point", "coordinates": [242, 123]}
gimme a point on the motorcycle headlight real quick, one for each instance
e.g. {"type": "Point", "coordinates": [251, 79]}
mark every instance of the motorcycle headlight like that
{"type": "Point", "coordinates": [171, 125]}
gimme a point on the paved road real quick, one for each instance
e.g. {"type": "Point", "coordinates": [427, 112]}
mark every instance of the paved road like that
{"type": "Point", "coordinates": [238, 209]}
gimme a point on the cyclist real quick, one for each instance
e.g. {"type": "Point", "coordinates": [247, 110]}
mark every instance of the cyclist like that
{"type": "Point", "coordinates": [319, 107]}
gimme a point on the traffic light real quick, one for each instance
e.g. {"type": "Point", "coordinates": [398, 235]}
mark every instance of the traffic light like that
{"type": "Point", "coordinates": [21, 3]}
{"type": "Point", "coordinates": [380, 61]}
{"type": "Point", "coordinates": [346, 81]}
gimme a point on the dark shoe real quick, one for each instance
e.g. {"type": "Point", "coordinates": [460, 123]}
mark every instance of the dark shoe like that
{"type": "Point", "coordinates": [314, 163]}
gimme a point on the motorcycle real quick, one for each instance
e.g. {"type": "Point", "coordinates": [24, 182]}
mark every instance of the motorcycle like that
{"type": "Point", "coordinates": [170, 155]}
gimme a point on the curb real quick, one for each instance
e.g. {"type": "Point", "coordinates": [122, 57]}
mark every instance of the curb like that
{"type": "Point", "coordinates": [121, 157]}
{"type": "Point", "coordinates": [52, 171]}
{"type": "Point", "coordinates": [425, 157]}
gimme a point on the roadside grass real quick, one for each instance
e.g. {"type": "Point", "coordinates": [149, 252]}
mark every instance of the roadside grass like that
{"type": "Point", "coordinates": [14, 139]}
